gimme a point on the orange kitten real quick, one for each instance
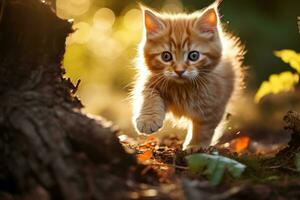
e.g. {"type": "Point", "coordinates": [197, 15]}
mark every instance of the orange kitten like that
{"type": "Point", "coordinates": [187, 67]}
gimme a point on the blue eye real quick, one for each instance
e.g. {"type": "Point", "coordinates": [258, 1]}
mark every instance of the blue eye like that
{"type": "Point", "coordinates": [166, 56]}
{"type": "Point", "coordinates": [193, 55]}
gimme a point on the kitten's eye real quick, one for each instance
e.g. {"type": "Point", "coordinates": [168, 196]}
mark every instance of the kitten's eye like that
{"type": "Point", "coordinates": [193, 56]}
{"type": "Point", "coordinates": [166, 56]}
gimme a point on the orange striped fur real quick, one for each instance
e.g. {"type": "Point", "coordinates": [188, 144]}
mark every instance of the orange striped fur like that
{"type": "Point", "coordinates": [197, 86]}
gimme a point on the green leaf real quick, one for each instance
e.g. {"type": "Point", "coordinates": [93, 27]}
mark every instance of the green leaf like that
{"type": "Point", "coordinates": [290, 57]}
{"type": "Point", "coordinates": [213, 166]}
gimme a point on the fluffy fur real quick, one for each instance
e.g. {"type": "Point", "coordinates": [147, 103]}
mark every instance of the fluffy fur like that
{"type": "Point", "coordinates": [185, 85]}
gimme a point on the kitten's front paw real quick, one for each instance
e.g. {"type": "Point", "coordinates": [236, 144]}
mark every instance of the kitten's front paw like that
{"type": "Point", "coordinates": [148, 124]}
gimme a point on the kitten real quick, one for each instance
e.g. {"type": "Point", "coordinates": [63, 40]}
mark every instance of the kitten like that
{"type": "Point", "coordinates": [189, 67]}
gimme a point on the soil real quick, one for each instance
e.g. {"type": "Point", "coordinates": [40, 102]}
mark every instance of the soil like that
{"type": "Point", "coordinates": [163, 172]}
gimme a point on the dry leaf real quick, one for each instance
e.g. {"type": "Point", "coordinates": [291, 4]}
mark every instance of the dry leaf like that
{"type": "Point", "coordinates": [151, 138]}
{"type": "Point", "coordinates": [144, 156]}
{"type": "Point", "coordinates": [241, 143]}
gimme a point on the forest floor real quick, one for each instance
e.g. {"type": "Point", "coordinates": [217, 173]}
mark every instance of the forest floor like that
{"type": "Point", "coordinates": [163, 171]}
{"type": "Point", "coordinates": [50, 150]}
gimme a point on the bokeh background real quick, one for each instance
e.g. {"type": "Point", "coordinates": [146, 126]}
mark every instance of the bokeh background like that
{"type": "Point", "coordinates": [101, 51]}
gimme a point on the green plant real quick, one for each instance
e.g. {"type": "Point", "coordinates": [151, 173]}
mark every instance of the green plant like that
{"type": "Point", "coordinates": [213, 166]}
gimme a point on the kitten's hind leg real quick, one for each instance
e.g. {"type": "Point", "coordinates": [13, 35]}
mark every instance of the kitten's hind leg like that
{"type": "Point", "coordinates": [151, 114]}
{"type": "Point", "coordinates": [199, 136]}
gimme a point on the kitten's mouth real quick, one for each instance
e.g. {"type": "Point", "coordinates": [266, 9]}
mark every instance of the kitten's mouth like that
{"type": "Point", "coordinates": [180, 79]}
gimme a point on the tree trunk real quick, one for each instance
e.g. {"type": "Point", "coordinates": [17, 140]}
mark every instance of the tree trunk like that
{"type": "Point", "coordinates": [48, 148]}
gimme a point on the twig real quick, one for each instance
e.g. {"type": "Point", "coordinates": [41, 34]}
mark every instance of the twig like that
{"type": "Point", "coordinates": [290, 169]}
{"type": "Point", "coordinates": [171, 165]}
{"type": "Point", "coordinates": [74, 90]}
{"type": "Point", "coordinates": [275, 167]}
{"type": "Point", "coordinates": [283, 167]}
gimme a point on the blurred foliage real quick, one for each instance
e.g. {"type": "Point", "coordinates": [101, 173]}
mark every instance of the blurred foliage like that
{"type": "Point", "coordinates": [214, 166]}
{"type": "Point", "coordinates": [284, 81]}
{"type": "Point", "coordinates": [102, 49]}
{"type": "Point", "coordinates": [290, 57]}
{"type": "Point", "coordinates": [297, 161]}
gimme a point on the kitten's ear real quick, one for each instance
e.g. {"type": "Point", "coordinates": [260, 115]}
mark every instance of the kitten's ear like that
{"type": "Point", "coordinates": [152, 22]}
{"type": "Point", "coordinates": [207, 23]}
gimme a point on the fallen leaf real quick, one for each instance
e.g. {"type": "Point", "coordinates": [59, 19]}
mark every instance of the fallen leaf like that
{"type": "Point", "coordinates": [241, 143]}
{"type": "Point", "coordinates": [151, 138]}
{"type": "Point", "coordinates": [142, 157]}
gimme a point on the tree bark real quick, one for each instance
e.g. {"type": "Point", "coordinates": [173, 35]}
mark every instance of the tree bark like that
{"type": "Point", "coordinates": [48, 148]}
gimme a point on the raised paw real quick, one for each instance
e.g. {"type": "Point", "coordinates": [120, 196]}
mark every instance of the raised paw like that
{"type": "Point", "coordinates": [148, 124]}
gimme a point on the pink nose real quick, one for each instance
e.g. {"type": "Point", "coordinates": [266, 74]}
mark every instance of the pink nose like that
{"type": "Point", "coordinates": [179, 72]}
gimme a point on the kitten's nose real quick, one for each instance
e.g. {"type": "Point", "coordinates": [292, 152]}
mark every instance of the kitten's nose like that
{"type": "Point", "coordinates": [179, 72]}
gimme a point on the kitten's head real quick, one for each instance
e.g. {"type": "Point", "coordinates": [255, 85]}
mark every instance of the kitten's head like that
{"type": "Point", "coordinates": [181, 47]}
